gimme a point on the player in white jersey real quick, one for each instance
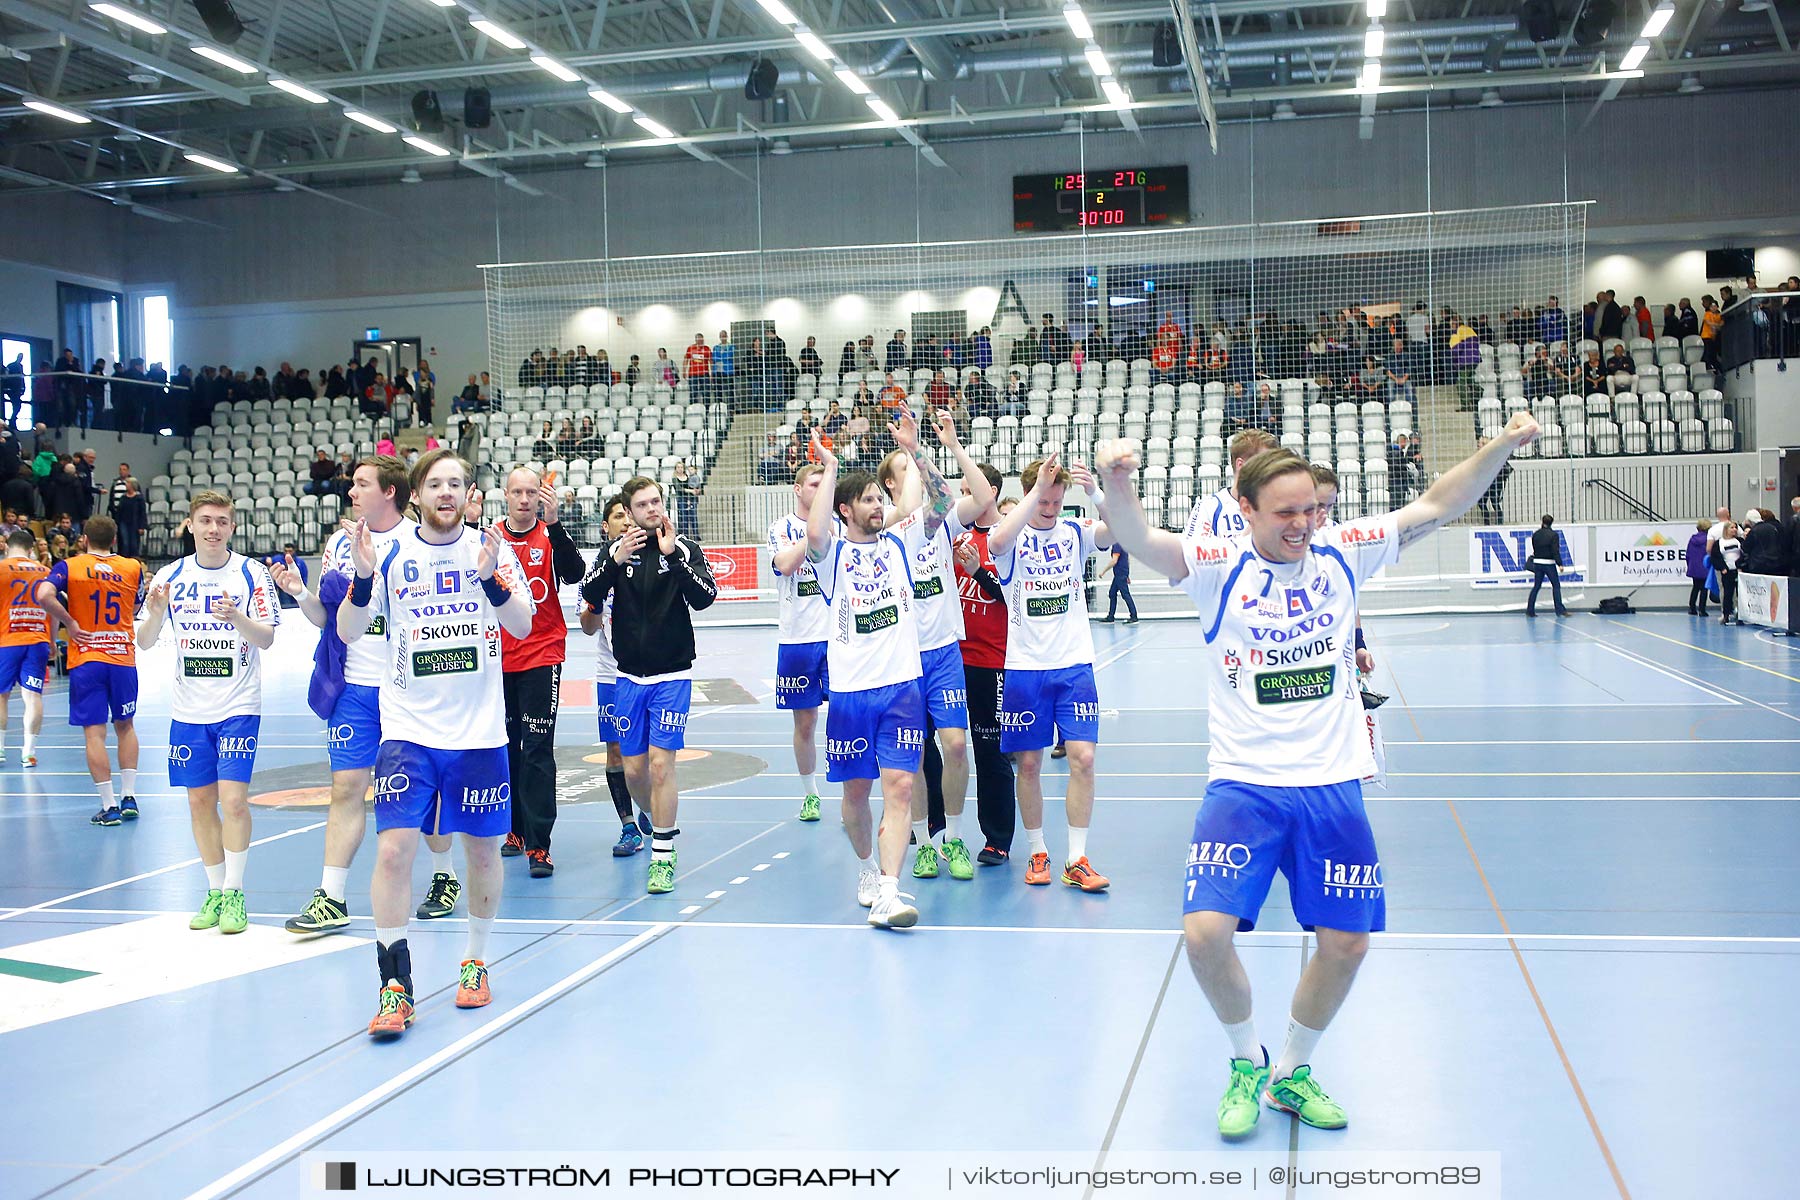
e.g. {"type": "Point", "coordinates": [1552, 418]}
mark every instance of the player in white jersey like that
{"type": "Point", "coordinates": [938, 611]}
{"type": "Point", "coordinates": [223, 610]}
{"type": "Point", "coordinates": [345, 688]}
{"type": "Point", "coordinates": [446, 592]}
{"type": "Point", "coordinates": [1218, 515]}
{"type": "Point", "coordinates": [800, 681]}
{"type": "Point", "coordinates": [876, 726]}
{"type": "Point", "coordinates": [1039, 556]}
{"type": "Point", "coordinates": [1288, 746]}
{"type": "Point", "coordinates": [598, 624]}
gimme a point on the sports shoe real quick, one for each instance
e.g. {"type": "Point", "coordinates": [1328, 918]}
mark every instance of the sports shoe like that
{"type": "Point", "coordinates": [30, 760]}
{"type": "Point", "coordinates": [629, 843]}
{"type": "Point", "coordinates": [232, 917]}
{"type": "Point", "coordinates": [107, 817]}
{"type": "Point", "coordinates": [1080, 874]}
{"type": "Point", "coordinates": [472, 985]}
{"type": "Point", "coordinates": [440, 897]}
{"type": "Point", "coordinates": [662, 876]}
{"type": "Point", "coordinates": [992, 855]}
{"type": "Point", "coordinates": [956, 855]}
{"type": "Point", "coordinates": [208, 916]}
{"type": "Point", "coordinates": [128, 810]}
{"type": "Point", "coordinates": [893, 912]}
{"type": "Point", "coordinates": [1038, 869]}
{"type": "Point", "coordinates": [1298, 1094]}
{"type": "Point", "coordinates": [925, 862]}
{"type": "Point", "coordinates": [512, 847]}
{"type": "Point", "coordinates": [395, 1015]}
{"type": "Point", "coordinates": [541, 866]}
{"type": "Point", "coordinates": [322, 915]}
{"type": "Point", "coordinates": [1059, 751]}
{"type": "Point", "coordinates": [809, 808]}
{"type": "Point", "coordinates": [868, 886]}
{"type": "Point", "coordinates": [643, 823]}
{"type": "Point", "coordinates": [1240, 1106]}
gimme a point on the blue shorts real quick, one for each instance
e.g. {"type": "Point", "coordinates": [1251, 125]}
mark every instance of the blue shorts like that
{"type": "Point", "coordinates": [1319, 837]}
{"type": "Point", "coordinates": [800, 680]}
{"type": "Point", "coordinates": [946, 693]}
{"type": "Point", "coordinates": [1034, 705]}
{"type": "Point", "coordinates": [354, 736]}
{"type": "Point", "coordinates": [24, 665]}
{"type": "Point", "coordinates": [870, 730]}
{"type": "Point", "coordinates": [443, 791]}
{"type": "Point", "coordinates": [605, 695]}
{"type": "Point", "coordinates": [201, 755]}
{"type": "Point", "coordinates": [651, 714]}
{"type": "Point", "coordinates": [100, 692]}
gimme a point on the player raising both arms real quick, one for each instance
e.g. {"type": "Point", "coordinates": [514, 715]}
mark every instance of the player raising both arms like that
{"type": "Point", "coordinates": [223, 610]}
{"type": "Point", "coordinates": [1288, 748]}
{"type": "Point", "coordinates": [447, 591]}
{"type": "Point", "coordinates": [24, 639]}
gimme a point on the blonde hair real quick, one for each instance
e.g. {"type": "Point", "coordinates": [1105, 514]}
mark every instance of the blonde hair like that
{"type": "Point", "coordinates": [209, 499]}
{"type": "Point", "coordinates": [1029, 476]}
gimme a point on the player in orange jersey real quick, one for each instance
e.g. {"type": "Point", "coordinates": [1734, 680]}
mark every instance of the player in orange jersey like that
{"type": "Point", "coordinates": [101, 591]}
{"type": "Point", "coordinates": [24, 638]}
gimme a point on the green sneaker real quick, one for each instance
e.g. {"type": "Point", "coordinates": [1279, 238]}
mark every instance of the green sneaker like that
{"type": "Point", "coordinates": [957, 855]}
{"type": "Point", "coordinates": [809, 809]}
{"type": "Point", "coordinates": [208, 916]}
{"type": "Point", "coordinates": [1239, 1109]}
{"type": "Point", "coordinates": [1298, 1094]}
{"type": "Point", "coordinates": [232, 918]}
{"type": "Point", "coordinates": [925, 862]}
{"type": "Point", "coordinates": [662, 876]}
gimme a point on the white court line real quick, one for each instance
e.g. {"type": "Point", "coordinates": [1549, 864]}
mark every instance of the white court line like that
{"type": "Point", "coordinates": [714, 895]}
{"type": "Point", "coordinates": [1664, 671]}
{"type": "Point", "coordinates": [1646, 662]}
{"type": "Point", "coordinates": [692, 908]}
{"type": "Point", "coordinates": [149, 874]}
{"type": "Point", "coordinates": [319, 1129]}
{"type": "Point", "coordinates": [740, 879]}
{"type": "Point", "coordinates": [709, 862]}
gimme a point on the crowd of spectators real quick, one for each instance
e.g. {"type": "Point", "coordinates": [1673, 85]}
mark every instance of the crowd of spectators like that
{"type": "Point", "coordinates": [54, 493]}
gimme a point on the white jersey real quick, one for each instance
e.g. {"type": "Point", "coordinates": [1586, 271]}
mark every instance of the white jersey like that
{"type": "Point", "coordinates": [874, 634]}
{"type": "Point", "coordinates": [442, 687]}
{"type": "Point", "coordinates": [1282, 699]}
{"type": "Point", "coordinates": [1217, 516]}
{"type": "Point", "coordinates": [606, 663]}
{"type": "Point", "coordinates": [804, 615]}
{"type": "Point", "coordinates": [938, 606]}
{"type": "Point", "coordinates": [1046, 596]}
{"type": "Point", "coordinates": [366, 658]}
{"type": "Point", "coordinates": [218, 674]}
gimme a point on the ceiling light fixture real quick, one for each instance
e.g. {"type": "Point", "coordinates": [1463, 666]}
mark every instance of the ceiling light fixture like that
{"type": "Point", "coordinates": [1096, 59]}
{"type": "Point", "coordinates": [60, 113]}
{"type": "Point", "coordinates": [809, 42]}
{"type": "Point", "coordinates": [223, 59]}
{"type": "Point", "coordinates": [1377, 9]}
{"type": "Point", "coordinates": [216, 164]}
{"type": "Point", "coordinates": [425, 144]}
{"type": "Point", "coordinates": [444, 3]}
{"type": "Point", "coordinates": [375, 123]}
{"type": "Point", "coordinates": [611, 101]}
{"type": "Point", "coordinates": [652, 127]}
{"type": "Point", "coordinates": [1116, 93]}
{"type": "Point", "coordinates": [126, 16]}
{"type": "Point", "coordinates": [495, 33]}
{"type": "Point", "coordinates": [780, 11]}
{"type": "Point", "coordinates": [1660, 16]}
{"type": "Point", "coordinates": [882, 110]}
{"type": "Point", "coordinates": [1634, 57]}
{"type": "Point", "coordinates": [1370, 79]}
{"type": "Point", "coordinates": [1490, 99]}
{"type": "Point", "coordinates": [294, 89]}
{"type": "Point", "coordinates": [851, 80]}
{"type": "Point", "coordinates": [1374, 42]}
{"type": "Point", "coordinates": [1690, 84]}
{"type": "Point", "coordinates": [1078, 22]}
{"type": "Point", "coordinates": [555, 68]}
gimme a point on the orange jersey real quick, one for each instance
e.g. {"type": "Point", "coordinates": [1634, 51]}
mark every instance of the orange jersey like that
{"type": "Point", "coordinates": [22, 622]}
{"type": "Point", "coordinates": [102, 593]}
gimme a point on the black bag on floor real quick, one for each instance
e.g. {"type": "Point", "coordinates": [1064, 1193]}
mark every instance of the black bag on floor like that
{"type": "Point", "coordinates": [1615, 606]}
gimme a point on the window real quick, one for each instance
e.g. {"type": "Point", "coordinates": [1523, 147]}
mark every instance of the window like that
{"type": "Point", "coordinates": [159, 333]}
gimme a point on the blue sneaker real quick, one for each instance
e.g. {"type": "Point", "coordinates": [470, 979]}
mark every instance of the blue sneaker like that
{"type": "Point", "coordinates": [629, 843]}
{"type": "Point", "coordinates": [128, 810]}
{"type": "Point", "coordinates": [643, 823]}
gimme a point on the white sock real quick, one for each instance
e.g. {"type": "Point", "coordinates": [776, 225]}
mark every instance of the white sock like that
{"type": "Point", "coordinates": [952, 830]}
{"type": "Point", "coordinates": [441, 864]}
{"type": "Point", "coordinates": [1301, 1042]}
{"type": "Point", "coordinates": [387, 937]}
{"type": "Point", "coordinates": [922, 833]}
{"type": "Point", "coordinates": [333, 882]}
{"type": "Point", "coordinates": [30, 743]}
{"type": "Point", "coordinates": [1077, 843]}
{"type": "Point", "coordinates": [128, 781]}
{"type": "Point", "coordinates": [1244, 1043]}
{"type": "Point", "coordinates": [234, 869]}
{"type": "Point", "coordinates": [809, 784]}
{"type": "Point", "coordinates": [479, 928]}
{"type": "Point", "coordinates": [106, 794]}
{"type": "Point", "coordinates": [215, 876]}
{"type": "Point", "coordinates": [1035, 839]}
{"type": "Point", "coordinates": [867, 863]}
{"type": "Point", "coordinates": [890, 887]}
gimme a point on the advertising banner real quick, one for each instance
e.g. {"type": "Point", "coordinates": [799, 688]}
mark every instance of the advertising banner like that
{"type": "Point", "coordinates": [1767, 600]}
{"type": "Point", "coordinates": [1499, 557]}
{"type": "Point", "coordinates": [734, 570]}
{"type": "Point", "coordinates": [1641, 553]}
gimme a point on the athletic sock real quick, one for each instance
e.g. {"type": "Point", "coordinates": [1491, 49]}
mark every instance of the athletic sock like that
{"type": "Point", "coordinates": [334, 881]}
{"type": "Point", "coordinates": [1077, 844]}
{"type": "Point", "coordinates": [922, 832]}
{"type": "Point", "coordinates": [868, 863]}
{"type": "Point", "coordinates": [621, 795]}
{"type": "Point", "coordinates": [1301, 1042]}
{"type": "Point", "coordinates": [809, 784]}
{"type": "Point", "coordinates": [441, 864]}
{"type": "Point", "coordinates": [106, 794]}
{"type": "Point", "coordinates": [30, 744]}
{"type": "Point", "coordinates": [1035, 838]}
{"type": "Point", "coordinates": [234, 869]}
{"type": "Point", "coordinates": [952, 830]}
{"type": "Point", "coordinates": [128, 780]}
{"type": "Point", "coordinates": [479, 928]}
{"type": "Point", "coordinates": [890, 887]}
{"type": "Point", "coordinates": [215, 876]}
{"type": "Point", "coordinates": [1244, 1043]}
{"type": "Point", "coordinates": [662, 841]}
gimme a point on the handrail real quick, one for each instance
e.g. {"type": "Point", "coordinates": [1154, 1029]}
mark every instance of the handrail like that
{"type": "Point", "coordinates": [1613, 490]}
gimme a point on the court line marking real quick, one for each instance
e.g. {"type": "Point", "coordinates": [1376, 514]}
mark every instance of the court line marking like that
{"type": "Point", "coordinates": [1543, 1012]}
{"type": "Point", "coordinates": [1702, 649]}
{"type": "Point", "coordinates": [1660, 670]}
{"type": "Point", "coordinates": [256, 1167]}
{"type": "Point", "coordinates": [1746, 699]}
{"type": "Point", "coordinates": [4, 916]}
{"type": "Point", "coordinates": [1137, 1062]}
{"type": "Point", "coordinates": [709, 862]}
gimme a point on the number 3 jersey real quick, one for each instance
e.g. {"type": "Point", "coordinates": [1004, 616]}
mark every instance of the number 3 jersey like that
{"type": "Point", "coordinates": [1282, 703]}
{"type": "Point", "coordinates": [442, 687]}
{"type": "Point", "coordinates": [218, 673]}
{"type": "Point", "coordinates": [873, 640]}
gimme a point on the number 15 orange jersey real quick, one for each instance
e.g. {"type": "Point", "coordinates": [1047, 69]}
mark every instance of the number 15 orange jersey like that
{"type": "Point", "coordinates": [102, 592]}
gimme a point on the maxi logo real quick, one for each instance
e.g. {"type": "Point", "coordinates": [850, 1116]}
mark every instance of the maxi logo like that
{"type": "Point", "coordinates": [1294, 632]}
{"type": "Point", "coordinates": [396, 784]}
{"type": "Point", "coordinates": [835, 748]}
{"type": "Point", "coordinates": [1352, 535]}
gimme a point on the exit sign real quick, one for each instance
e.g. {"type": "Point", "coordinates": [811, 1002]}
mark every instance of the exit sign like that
{"type": "Point", "coordinates": [371, 334]}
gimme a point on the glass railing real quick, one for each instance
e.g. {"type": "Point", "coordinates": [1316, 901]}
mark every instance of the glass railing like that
{"type": "Point", "coordinates": [1760, 325]}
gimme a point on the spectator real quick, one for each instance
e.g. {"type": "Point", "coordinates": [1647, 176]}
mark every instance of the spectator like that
{"type": "Point", "coordinates": [59, 547]}
{"type": "Point", "coordinates": [261, 390]}
{"type": "Point", "coordinates": [796, 456]}
{"type": "Point", "coordinates": [424, 395]}
{"type": "Point", "coordinates": [1013, 400]}
{"type": "Point", "coordinates": [385, 445]}
{"type": "Point", "coordinates": [1120, 567]}
{"type": "Point", "coordinates": [20, 493]}
{"type": "Point", "coordinates": [1492, 502]}
{"type": "Point", "coordinates": [565, 440]}
{"type": "Point", "coordinates": [697, 362]}
{"type": "Point", "coordinates": [896, 351]}
{"type": "Point", "coordinates": [1398, 375]}
{"type": "Point", "coordinates": [937, 392]}
{"type": "Point", "coordinates": [803, 426]}
{"type": "Point", "coordinates": [1595, 377]}
{"type": "Point", "coordinates": [1688, 322]}
{"type": "Point", "coordinates": [1619, 362]}
{"type": "Point", "coordinates": [1697, 565]}
{"type": "Point", "coordinates": [687, 490]}
{"type": "Point", "coordinates": [1724, 556]}
{"type": "Point", "coordinates": [1671, 326]}
{"type": "Point", "coordinates": [1711, 321]}
{"type": "Point", "coordinates": [1545, 561]}
{"type": "Point", "coordinates": [771, 463]}
{"type": "Point", "coordinates": [484, 392]}
{"type": "Point", "coordinates": [847, 359]}
{"type": "Point", "coordinates": [589, 444]}
{"type": "Point", "coordinates": [544, 448]}
{"type": "Point", "coordinates": [323, 472]}
{"type": "Point", "coordinates": [1553, 323]}
{"type": "Point", "coordinates": [810, 362]}
{"type": "Point", "coordinates": [290, 555]}
{"type": "Point", "coordinates": [1610, 319]}
{"type": "Point", "coordinates": [984, 349]}
{"type": "Point", "coordinates": [469, 399]}
{"type": "Point", "coordinates": [633, 372]}
{"type": "Point", "coordinates": [84, 470]}
{"type": "Point", "coordinates": [1401, 459]}
{"type": "Point", "coordinates": [299, 388]}
{"type": "Point", "coordinates": [1765, 550]}
{"type": "Point", "coordinates": [835, 420]}
{"type": "Point", "coordinates": [983, 400]}
{"type": "Point", "coordinates": [335, 383]}
{"type": "Point", "coordinates": [14, 389]}
{"type": "Point", "coordinates": [892, 395]}
{"type": "Point", "coordinates": [64, 493]}
{"type": "Point", "coordinates": [1646, 326]}
{"type": "Point", "coordinates": [132, 518]}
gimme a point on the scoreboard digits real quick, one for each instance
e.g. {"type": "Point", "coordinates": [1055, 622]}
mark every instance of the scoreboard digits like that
{"type": "Point", "coordinates": [1122, 198]}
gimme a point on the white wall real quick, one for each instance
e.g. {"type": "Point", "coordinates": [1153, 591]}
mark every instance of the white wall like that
{"type": "Point", "coordinates": [28, 297]}
{"type": "Point", "coordinates": [1664, 272]}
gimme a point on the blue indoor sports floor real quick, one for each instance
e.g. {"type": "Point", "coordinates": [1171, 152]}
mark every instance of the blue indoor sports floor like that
{"type": "Point", "coordinates": [1589, 842]}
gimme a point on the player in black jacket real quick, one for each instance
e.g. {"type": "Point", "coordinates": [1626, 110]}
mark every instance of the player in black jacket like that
{"type": "Point", "coordinates": [657, 579]}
